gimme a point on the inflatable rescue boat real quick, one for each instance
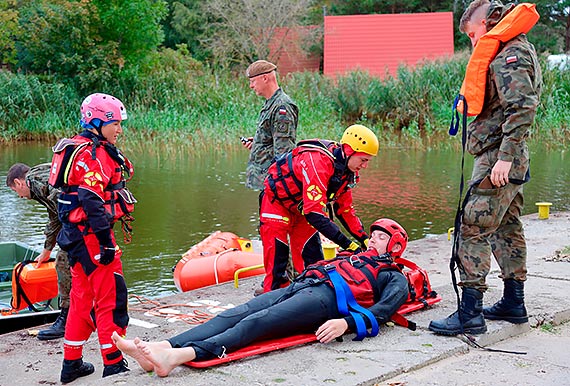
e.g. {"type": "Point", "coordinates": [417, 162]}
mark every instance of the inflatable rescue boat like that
{"type": "Point", "coordinates": [216, 259]}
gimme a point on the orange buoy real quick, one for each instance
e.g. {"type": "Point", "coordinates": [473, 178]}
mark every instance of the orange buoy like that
{"type": "Point", "coordinates": [214, 260]}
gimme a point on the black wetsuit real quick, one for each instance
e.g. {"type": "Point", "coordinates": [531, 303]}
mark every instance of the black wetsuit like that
{"type": "Point", "coordinates": [300, 308]}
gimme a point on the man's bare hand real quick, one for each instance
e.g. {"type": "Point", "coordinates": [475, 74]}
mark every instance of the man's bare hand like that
{"type": "Point", "coordinates": [43, 257]}
{"type": "Point", "coordinates": [331, 329]}
{"type": "Point", "coordinates": [247, 142]}
{"type": "Point", "coordinates": [500, 173]}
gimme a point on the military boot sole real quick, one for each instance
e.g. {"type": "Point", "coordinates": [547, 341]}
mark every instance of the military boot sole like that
{"type": "Point", "coordinates": [49, 335]}
{"type": "Point", "coordinates": [453, 332]}
{"type": "Point", "coordinates": [510, 319]}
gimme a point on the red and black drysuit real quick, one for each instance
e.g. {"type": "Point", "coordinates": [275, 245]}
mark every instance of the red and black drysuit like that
{"type": "Point", "coordinates": [300, 187]}
{"type": "Point", "coordinates": [93, 199]}
{"type": "Point", "coordinates": [302, 307]}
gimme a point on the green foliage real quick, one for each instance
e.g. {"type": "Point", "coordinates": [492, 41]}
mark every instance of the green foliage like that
{"type": "Point", "coordinates": [186, 23]}
{"type": "Point", "coordinates": [32, 106]}
{"type": "Point", "coordinates": [176, 99]}
{"type": "Point", "coordinates": [417, 99]}
{"type": "Point", "coordinates": [9, 29]}
{"type": "Point", "coordinates": [552, 33]}
{"type": "Point", "coordinates": [91, 44]}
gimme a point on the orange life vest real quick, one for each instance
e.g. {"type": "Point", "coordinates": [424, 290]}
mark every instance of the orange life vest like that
{"type": "Point", "coordinates": [520, 20]}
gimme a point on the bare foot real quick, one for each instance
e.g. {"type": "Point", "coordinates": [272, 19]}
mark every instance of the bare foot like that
{"type": "Point", "coordinates": [129, 347]}
{"type": "Point", "coordinates": [163, 359]}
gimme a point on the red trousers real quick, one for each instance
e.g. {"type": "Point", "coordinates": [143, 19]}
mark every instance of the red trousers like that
{"type": "Point", "coordinates": [98, 301]}
{"type": "Point", "coordinates": [282, 229]}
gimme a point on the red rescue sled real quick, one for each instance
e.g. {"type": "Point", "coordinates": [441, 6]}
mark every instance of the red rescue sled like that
{"type": "Point", "coordinates": [420, 296]}
{"type": "Point", "coordinates": [215, 260]}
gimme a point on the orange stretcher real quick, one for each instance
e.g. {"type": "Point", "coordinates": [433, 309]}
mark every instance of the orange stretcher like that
{"type": "Point", "coordinates": [266, 346]}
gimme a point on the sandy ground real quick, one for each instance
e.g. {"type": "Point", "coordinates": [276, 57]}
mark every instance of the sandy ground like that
{"type": "Point", "coordinates": [396, 357]}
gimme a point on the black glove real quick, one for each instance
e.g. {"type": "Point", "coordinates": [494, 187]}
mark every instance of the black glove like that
{"type": "Point", "coordinates": [107, 255]}
{"type": "Point", "coordinates": [107, 246]}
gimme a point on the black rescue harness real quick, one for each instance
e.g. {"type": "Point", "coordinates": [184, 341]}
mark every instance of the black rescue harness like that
{"type": "Point", "coordinates": [284, 172]}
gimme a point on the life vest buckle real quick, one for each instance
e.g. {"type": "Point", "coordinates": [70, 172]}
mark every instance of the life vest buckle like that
{"type": "Point", "coordinates": [354, 259]}
{"type": "Point", "coordinates": [329, 267]}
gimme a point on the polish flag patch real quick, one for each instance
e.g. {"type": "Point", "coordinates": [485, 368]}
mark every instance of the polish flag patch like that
{"type": "Point", "coordinates": [511, 59]}
{"type": "Point", "coordinates": [282, 111]}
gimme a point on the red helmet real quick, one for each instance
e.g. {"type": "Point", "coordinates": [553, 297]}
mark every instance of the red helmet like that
{"type": "Point", "coordinates": [397, 234]}
{"type": "Point", "coordinates": [98, 109]}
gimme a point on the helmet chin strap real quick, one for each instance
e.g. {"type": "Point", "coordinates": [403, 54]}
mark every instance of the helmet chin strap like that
{"type": "Point", "coordinates": [99, 128]}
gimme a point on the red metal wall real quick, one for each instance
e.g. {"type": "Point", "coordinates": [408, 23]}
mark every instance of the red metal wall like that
{"type": "Point", "coordinates": [380, 43]}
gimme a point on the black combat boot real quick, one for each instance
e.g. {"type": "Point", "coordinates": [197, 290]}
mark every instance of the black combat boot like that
{"type": "Point", "coordinates": [119, 367]}
{"type": "Point", "coordinates": [511, 306]}
{"type": "Point", "coordinates": [468, 319]}
{"type": "Point", "coordinates": [57, 329]}
{"type": "Point", "coordinates": [73, 369]}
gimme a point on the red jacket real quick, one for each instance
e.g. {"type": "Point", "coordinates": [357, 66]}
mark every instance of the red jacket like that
{"type": "Point", "coordinates": [311, 176]}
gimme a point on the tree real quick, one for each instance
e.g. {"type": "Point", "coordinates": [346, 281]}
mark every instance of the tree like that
{"type": "Point", "coordinates": [8, 31]}
{"type": "Point", "coordinates": [552, 33]}
{"type": "Point", "coordinates": [185, 24]}
{"type": "Point", "coordinates": [91, 42]}
{"type": "Point", "coordinates": [242, 29]}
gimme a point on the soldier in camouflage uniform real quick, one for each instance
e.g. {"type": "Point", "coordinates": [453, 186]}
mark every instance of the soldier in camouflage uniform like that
{"type": "Point", "coordinates": [497, 138]}
{"type": "Point", "coordinates": [32, 183]}
{"type": "Point", "coordinates": [276, 126]}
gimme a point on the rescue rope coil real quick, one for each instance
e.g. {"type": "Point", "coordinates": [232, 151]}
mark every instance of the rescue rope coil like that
{"type": "Point", "coordinates": [155, 308]}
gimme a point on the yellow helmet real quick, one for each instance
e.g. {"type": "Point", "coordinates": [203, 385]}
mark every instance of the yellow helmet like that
{"type": "Point", "coordinates": [361, 139]}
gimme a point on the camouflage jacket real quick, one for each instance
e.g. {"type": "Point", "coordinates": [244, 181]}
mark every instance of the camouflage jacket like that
{"type": "Point", "coordinates": [42, 192]}
{"type": "Point", "coordinates": [276, 134]}
{"type": "Point", "coordinates": [512, 93]}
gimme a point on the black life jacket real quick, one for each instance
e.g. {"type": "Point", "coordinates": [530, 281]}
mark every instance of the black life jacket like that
{"type": "Point", "coordinates": [281, 173]}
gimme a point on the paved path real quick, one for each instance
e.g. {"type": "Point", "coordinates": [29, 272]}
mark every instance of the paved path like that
{"type": "Point", "coordinates": [396, 357]}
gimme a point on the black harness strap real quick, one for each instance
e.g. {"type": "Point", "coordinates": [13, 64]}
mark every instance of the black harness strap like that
{"type": "Point", "coordinates": [20, 290]}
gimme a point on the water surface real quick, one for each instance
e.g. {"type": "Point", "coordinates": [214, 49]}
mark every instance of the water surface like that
{"type": "Point", "coordinates": [182, 199]}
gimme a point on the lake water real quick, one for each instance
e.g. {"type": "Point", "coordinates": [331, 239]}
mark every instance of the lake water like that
{"type": "Point", "coordinates": [182, 199]}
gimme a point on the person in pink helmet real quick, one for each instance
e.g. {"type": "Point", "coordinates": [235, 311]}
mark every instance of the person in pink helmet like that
{"type": "Point", "coordinates": [92, 175]}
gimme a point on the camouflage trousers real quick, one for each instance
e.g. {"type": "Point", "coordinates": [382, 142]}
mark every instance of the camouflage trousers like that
{"type": "Point", "coordinates": [491, 224]}
{"type": "Point", "coordinates": [63, 278]}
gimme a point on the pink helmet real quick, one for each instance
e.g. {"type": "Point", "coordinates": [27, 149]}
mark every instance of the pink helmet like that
{"type": "Point", "coordinates": [103, 107]}
{"type": "Point", "coordinates": [396, 232]}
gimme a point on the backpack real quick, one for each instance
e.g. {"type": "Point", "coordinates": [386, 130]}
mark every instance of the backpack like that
{"type": "Point", "coordinates": [420, 295]}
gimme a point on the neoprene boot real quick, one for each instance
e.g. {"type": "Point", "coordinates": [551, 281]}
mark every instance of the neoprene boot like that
{"type": "Point", "coordinates": [119, 367]}
{"type": "Point", "coordinates": [73, 369]}
{"type": "Point", "coordinates": [57, 329]}
{"type": "Point", "coordinates": [468, 319]}
{"type": "Point", "coordinates": [511, 306]}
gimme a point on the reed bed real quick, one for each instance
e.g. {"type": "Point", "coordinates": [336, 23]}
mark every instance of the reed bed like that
{"type": "Point", "coordinates": [179, 101]}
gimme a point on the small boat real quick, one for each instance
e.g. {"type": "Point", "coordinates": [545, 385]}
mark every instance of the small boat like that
{"type": "Point", "coordinates": [28, 294]}
{"type": "Point", "coordinates": [219, 258]}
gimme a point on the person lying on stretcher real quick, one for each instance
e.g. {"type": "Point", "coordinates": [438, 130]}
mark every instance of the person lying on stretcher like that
{"type": "Point", "coordinates": [347, 294]}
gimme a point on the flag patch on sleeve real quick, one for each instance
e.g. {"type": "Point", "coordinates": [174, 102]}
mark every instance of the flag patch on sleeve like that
{"type": "Point", "coordinates": [511, 59]}
{"type": "Point", "coordinates": [282, 111]}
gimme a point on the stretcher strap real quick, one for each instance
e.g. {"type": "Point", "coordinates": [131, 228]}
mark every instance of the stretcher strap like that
{"type": "Point", "coordinates": [348, 305]}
